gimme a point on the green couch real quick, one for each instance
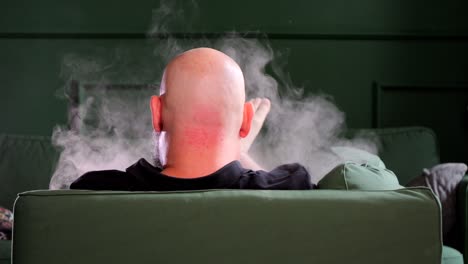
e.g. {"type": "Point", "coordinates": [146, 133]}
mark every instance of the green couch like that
{"type": "Point", "coordinates": [228, 226]}
{"type": "Point", "coordinates": [327, 226]}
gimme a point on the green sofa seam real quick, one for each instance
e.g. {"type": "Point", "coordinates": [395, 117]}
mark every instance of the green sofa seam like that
{"type": "Point", "coordinates": [91, 192]}
{"type": "Point", "coordinates": [436, 200]}
{"type": "Point", "coordinates": [451, 257]}
{"type": "Point", "coordinates": [77, 193]}
{"type": "Point", "coordinates": [344, 176]}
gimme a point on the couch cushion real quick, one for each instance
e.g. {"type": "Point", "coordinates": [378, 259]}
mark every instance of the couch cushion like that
{"type": "Point", "coordinates": [26, 163]}
{"type": "Point", "coordinates": [451, 256]}
{"type": "Point", "coordinates": [228, 226]}
{"type": "Point", "coordinates": [406, 151]}
{"type": "Point", "coordinates": [353, 176]}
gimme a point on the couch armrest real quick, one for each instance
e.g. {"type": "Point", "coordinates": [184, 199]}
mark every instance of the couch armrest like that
{"type": "Point", "coordinates": [5, 251]}
{"type": "Point", "coordinates": [228, 226]}
{"type": "Point", "coordinates": [462, 215]}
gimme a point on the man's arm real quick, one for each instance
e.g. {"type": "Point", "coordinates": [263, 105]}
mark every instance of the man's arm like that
{"type": "Point", "coordinates": [104, 180]}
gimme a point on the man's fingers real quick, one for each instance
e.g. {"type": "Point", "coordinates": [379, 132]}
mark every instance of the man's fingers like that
{"type": "Point", "coordinates": [260, 103]}
{"type": "Point", "coordinates": [264, 107]}
{"type": "Point", "coordinates": [262, 111]}
{"type": "Point", "coordinates": [256, 102]}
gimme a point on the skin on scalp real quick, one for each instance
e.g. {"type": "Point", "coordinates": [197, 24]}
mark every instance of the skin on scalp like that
{"type": "Point", "coordinates": [202, 113]}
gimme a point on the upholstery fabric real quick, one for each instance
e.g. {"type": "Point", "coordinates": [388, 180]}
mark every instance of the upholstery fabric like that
{"type": "Point", "coordinates": [5, 251]}
{"type": "Point", "coordinates": [451, 256]}
{"type": "Point", "coordinates": [352, 176]}
{"type": "Point", "coordinates": [404, 150]}
{"type": "Point", "coordinates": [228, 226]}
{"type": "Point", "coordinates": [443, 180]}
{"type": "Point", "coordinates": [26, 163]}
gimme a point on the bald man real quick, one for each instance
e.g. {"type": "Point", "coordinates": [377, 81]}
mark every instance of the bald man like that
{"type": "Point", "coordinates": [205, 131]}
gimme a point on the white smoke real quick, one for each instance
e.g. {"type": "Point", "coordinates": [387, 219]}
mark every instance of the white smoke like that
{"type": "Point", "coordinates": [299, 128]}
{"type": "Point", "coordinates": [114, 125]}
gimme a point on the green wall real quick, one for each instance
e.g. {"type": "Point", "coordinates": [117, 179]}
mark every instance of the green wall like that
{"type": "Point", "coordinates": [386, 62]}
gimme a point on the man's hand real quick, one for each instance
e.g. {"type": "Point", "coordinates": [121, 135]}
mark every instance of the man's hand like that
{"type": "Point", "coordinates": [261, 108]}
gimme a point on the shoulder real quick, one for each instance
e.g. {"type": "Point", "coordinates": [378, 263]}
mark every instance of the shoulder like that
{"type": "Point", "coordinates": [291, 176]}
{"type": "Point", "coordinates": [292, 169]}
{"type": "Point", "coordinates": [104, 180]}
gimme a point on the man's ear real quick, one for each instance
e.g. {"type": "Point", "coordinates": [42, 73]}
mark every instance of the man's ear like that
{"type": "Point", "coordinates": [156, 112]}
{"type": "Point", "coordinates": [247, 120]}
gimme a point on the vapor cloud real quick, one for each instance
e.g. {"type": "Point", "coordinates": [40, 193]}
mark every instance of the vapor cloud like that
{"type": "Point", "coordinates": [115, 127]}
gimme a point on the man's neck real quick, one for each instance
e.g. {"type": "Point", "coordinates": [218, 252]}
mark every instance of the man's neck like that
{"type": "Point", "coordinates": [186, 162]}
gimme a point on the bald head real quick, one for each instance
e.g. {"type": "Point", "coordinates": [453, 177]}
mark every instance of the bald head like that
{"type": "Point", "coordinates": [205, 87]}
{"type": "Point", "coordinates": [202, 103]}
{"type": "Point", "coordinates": [203, 70]}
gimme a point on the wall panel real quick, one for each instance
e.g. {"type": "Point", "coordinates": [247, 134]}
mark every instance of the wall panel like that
{"type": "Point", "coordinates": [336, 47]}
{"type": "Point", "coordinates": [288, 17]}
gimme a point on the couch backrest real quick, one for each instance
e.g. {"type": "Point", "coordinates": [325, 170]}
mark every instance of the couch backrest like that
{"type": "Point", "coordinates": [228, 226]}
{"type": "Point", "coordinates": [406, 150]}
{"type": "Point", "coordinates": [26, 163]}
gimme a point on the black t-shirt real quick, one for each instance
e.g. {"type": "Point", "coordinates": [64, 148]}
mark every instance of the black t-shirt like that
{"type": "Point", "coordinates": [142, 176]}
